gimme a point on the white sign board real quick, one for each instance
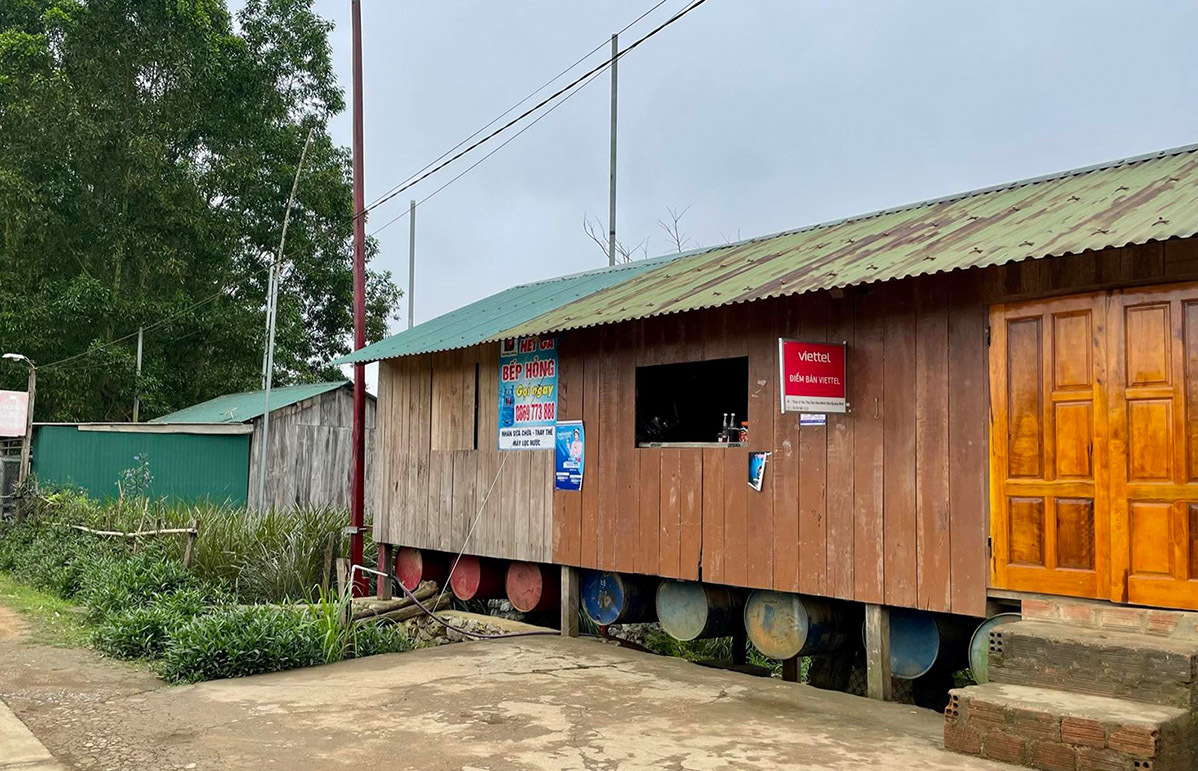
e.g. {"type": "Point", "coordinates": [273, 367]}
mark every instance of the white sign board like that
{"type": "Point", "coordinates": [14, 407]}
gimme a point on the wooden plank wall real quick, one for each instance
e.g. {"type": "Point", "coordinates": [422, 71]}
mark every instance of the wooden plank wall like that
{"type": "Point", "coordinates": [431, 482]}
{"type": "Point", "coordinates": [310, 453]}
{"type": "Point", "coordinates": [885, 505]}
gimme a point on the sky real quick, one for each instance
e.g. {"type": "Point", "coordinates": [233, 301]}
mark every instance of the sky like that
{"type": "Point", "coordinates": [753, 115]}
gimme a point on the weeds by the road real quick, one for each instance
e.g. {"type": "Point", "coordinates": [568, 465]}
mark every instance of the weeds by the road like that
{"type": "Point", "coordinates": [55, 620]}
{"type": "Point", "coordinates": [191, 624]}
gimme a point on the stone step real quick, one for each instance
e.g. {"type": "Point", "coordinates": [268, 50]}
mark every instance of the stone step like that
{"type": "Point", "coordinates": [1094, 614]}
{"type": "Point", "coordinates": [1062, 731]}
{"type": "Point", "coordinates": [1099, 662]}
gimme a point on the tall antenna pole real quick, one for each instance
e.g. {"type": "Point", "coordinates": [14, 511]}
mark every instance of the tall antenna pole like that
{"type": "Point", "coordinates": [411, 260]}
{"type": "Point", "coordinates": [611, 214]}
{"type": "Point", "coordinates": [137, 388]}
{"type": "Point", "coordinates": [272, 317]}
{"type": "Point", "coordinates": [357, 490]}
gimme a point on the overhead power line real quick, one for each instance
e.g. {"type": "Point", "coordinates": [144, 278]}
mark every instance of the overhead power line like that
{"type": "Point", "coordinates": [509, 110]}
{"type": "Point", "coordinates": [538, 106]}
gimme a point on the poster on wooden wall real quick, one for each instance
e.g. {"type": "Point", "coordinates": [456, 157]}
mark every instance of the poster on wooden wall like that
{"type": "Point", "coordinates": [527, 393]}
{"type": "Point", "coordinates": [812, 376]}
{"type": "Point", "coordinates": [571, 456]}
{"type": "Point", "coordinates": [13, 406]}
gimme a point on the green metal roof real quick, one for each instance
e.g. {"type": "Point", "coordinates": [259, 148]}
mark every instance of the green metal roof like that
{"type": "Point", "coordinates": [489, 318]}
{"type": "Point", "coordinates": [243, 407]}
{"type": "Point", "coordinates": [1131, 201]}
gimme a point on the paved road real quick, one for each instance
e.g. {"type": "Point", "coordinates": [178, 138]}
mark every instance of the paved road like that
{"type": "Point", "coordinates": [527, 703]}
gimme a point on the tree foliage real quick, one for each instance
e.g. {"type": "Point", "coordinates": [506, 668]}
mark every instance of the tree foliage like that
{"type": "Point", "coordinates": [147, 149]}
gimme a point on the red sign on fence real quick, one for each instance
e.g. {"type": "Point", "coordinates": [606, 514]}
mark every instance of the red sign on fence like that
{"type": "Point", "coordinates": [812, 376]}
{"type": "Point", "coordinates": [13, 406]}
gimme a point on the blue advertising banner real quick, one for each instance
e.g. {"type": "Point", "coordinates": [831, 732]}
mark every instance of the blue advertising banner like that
{"type": "Point", "coordinates": [527, 393]}
{"type": "Point", "coordinates": [571, 455]}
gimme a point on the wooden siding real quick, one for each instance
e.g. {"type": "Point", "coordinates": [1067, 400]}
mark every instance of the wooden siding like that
{"type": "Point", "coordinates": [431, 482]}
{"type": "Point", "coordinates": [311, 451]}
{"type": "Point", "coordinates": [886, 504]}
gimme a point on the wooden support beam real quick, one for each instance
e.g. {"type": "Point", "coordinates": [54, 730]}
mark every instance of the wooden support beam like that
{"type": "Point", "coordinates": [569, 607]}
{"type": "Point", "coordinates": [791, 669]}
{"type": "Point", "coordinates": [877, 652]}
{"type": "Point", "coordinates": [386, 562]}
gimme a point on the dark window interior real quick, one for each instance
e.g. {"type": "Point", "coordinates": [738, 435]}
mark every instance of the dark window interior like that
{"type": "Point", "coordinates": [687, 402]}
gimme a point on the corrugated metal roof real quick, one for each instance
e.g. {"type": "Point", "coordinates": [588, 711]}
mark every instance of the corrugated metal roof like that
{"type": "Point", "coordinates": [243, 407]}
{"type": "Point", "coordinates": [1130, 201]}
{"type": "Point", "coordinates": [487, 319]}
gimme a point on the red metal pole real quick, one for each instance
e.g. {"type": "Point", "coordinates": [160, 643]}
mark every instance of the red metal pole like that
{"type": "Point", "coordinates": [357, 510]}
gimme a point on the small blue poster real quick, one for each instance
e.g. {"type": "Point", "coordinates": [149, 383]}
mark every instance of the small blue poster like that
{"type": "Point", "coordinates": [571, 455]}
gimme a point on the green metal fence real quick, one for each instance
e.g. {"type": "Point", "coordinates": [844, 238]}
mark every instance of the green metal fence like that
{"type": "Point", "coordinates": [181, 466]}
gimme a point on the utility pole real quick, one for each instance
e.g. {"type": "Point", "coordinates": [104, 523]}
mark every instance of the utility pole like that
{"type": "Point", "coordinates": [357, 490]}
{"type": "Point", "coordinates": [611, 214]}
{"type": "Point", "coordinates": [137, 387]}
{"type": "Point", "coordinates": [411, 261]}
{"type": "Point", "coordinates": [272, 308]}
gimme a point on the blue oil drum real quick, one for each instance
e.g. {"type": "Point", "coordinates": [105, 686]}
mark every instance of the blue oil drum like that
{"type": "Point", "coordinates": [688, 610]}
{"type": "Point", "coordinates": [783, 625]}
{"type": "Point", "coordinates": [979, 645]}
{"type": "Point", "coordinates": [920, 639]}
{"type": "Point", "coordinates": [617, 598]}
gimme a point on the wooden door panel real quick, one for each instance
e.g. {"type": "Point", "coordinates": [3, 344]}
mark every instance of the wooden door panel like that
{"type": "Point", "coordinates": [1154, 445]}
{"type": "Point", "coordinates": [1048, 521]}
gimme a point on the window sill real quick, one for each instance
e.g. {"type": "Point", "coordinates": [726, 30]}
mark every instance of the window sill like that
{"type": "Point", "coordinates": [687, 445]}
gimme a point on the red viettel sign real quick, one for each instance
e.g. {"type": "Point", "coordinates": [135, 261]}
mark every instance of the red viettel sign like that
{"type": "Point", "coordinates": [13, 406]}
{"type": "Point", "coordinates": [813, 376]}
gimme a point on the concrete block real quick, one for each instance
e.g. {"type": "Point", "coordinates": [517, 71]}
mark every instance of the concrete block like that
{"type": "Point", "coordinates": [1137, 741]}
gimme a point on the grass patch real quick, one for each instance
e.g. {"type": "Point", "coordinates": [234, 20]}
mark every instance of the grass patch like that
{"type": "Point", "coordinates": [233, 612]}
{"type": "Point", "coordinates": [54, 621]}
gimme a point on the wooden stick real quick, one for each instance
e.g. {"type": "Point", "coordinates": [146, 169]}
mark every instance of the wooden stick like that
{"type": "Point", "coordinates": [410, 612]}
{"type": "Point", "coordinates": [139, 533]}
{"type": "Point", "coordinates": [189, 552]}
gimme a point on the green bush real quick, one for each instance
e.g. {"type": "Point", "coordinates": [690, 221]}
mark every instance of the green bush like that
{"type": "Point", "coordinates": [240, 641]}
{"type": "Point", "coordinates": [371, 639]}
{"type": "Point", "coordinates": [119, 582]}
{"type": "Point", "coordinates": [144, 631]}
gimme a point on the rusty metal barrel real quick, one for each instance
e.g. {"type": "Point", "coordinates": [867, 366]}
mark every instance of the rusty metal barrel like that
{"type": "Point", "coordinates": [617, 598]}
{"type": "Point", "coordinates": [783, 625]}
{"type": "Point", "coordinates": [688, 610]}
{"type": "Point", "coordinates": [478, 578]}
{"type": "Point", "coordinates": [533, 588]}
{"type": "Point", "coordinates": [980, 646]}
{"type": "Point", "coordinates": [415, 565]}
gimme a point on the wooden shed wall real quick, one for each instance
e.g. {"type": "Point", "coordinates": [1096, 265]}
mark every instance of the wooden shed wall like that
{"type": "Point", "coordinates": [311, 452]}
{"type": "Point", "coordinates": [885, 505]}
{"type": "Point", "coordinates": [430, 497]}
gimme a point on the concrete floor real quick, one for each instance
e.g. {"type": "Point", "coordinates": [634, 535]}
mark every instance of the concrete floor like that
{"type": "Point", "coordinates": [525, 703]}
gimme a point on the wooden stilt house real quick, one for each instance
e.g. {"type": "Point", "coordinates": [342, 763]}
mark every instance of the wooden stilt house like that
{"type": "Point", "coordinates": [1022, 385]}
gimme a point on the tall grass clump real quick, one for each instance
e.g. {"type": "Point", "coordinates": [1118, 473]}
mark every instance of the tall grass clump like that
{"type": "Point", "coordinates": [210, 619]}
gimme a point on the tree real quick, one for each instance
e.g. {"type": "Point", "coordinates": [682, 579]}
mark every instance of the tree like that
{"type": "Point", "coordinates": [678, 240]}
{"type": "Point", "coordinates": [146, 152]}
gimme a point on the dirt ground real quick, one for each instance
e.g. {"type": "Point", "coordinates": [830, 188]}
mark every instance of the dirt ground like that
{"type": "Point", "coordinates": [523, 703]}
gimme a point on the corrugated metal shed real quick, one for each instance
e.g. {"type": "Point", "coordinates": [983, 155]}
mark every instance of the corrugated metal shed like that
{"type": "Point", "coordinates": [487, 319]}
{"type": "Point", "coordinates": [185, 466]}
{"type": "Point", "coordinates": [1132, 201]}
{"type": "Point", "coordinates": [246, 406]}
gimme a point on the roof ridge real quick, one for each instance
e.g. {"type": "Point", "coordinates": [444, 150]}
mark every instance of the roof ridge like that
{"type": "Point", "coordinates": [954, 197]}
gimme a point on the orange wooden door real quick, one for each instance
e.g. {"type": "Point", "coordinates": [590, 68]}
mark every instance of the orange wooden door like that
{"type": "Point", "coordinates": [1154, 446]}
{"type": "Point", "coordinates": [1048, 472]}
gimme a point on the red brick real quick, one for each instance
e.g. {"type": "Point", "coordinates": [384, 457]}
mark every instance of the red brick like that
{"type": "Point", "coordinates": [1083, 731]}
{"type": "Point", "coordinates": [985, 716]}
{"type": "Point", "coordinates": [1162, 622]}
{"type": "Point", "coordinates": [1039, 610]}
{"type": "Point", "coordinates": [1052, 756]}
{"type": "Point", "coordinates": [962, 738]}
{"type": "Point", "coordinates": [1089, 759]}
{"type": "Point", "coordinates": [1080, 613]}
{"type": "Point", "coordinates": [1003, 746]}
{"type": "Point", "coordinates": [1032, 724]}
{"type": "Point", "coordinates": [1122, 618]}
{"type": "Point", "coordinates": [1134, 740]}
